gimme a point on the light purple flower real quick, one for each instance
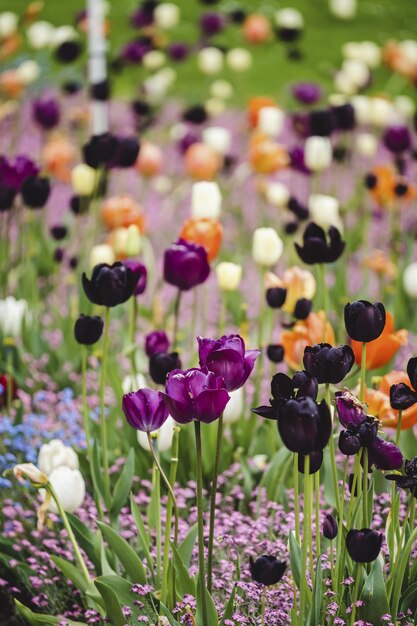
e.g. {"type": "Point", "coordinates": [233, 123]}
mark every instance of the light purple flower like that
{"type": "Point", "coordinates": [226, 357]}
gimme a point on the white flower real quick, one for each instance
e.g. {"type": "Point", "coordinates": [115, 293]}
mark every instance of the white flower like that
{"type": "Point", "coordinates": [101, 253]}
{"type": "Point", "coordinates": [234, 408]}
{"type": "Point", "coordinates": [69, 487]}
{"type": "Point", "coordinates": [156, 86]}
{"type": "Point", "coordinates": [362, 106]}
{"type": "Point", "coordinates": [154, 59]}
{"type": "Point", "coordinates": [324, 210]}
{"type": "Point", "coordinates": [8, 24]}
{"type": "Point", "coordinates": [381, 112]}
{"type": "Point", "coordinates": [210, 60]}
{"type": "Point", "coordinates": [278, 194]}
{"type": "Point", "coordinates": [318, 153]}
{"type": "Point", "coordinates": [54, 454]}
{"type": "Point", "coordinates": [271, 121]}
{"type": "Point", "coordinates": [366, 144]}
{"type": "Point", "coordinates": [166, 15]}
{"type": "Point", "coordinates": [83, 179]}
{"type": "Point", "coordinates": [133, 383]}
{"type": "Point", "coordinates": [260, 462]}
{"type": "Point", "coordinates": [405, 106]}
{"type": "Point", "coordinates": [289, 18]}
{"type": "Point", "coordinates": [39, 34]}
{"type": "Point", "coordinates": [228, 275]}
{"type": "Point", "coordinates": [221, 89]}
{"type": "Point", "coordinates": [62, 34]}
{"type": "Point", "coordinates": [127, 241]}
{"type": "Point", "coordinates": [217, 138]}
{"type": "Point", "coordinates": [356, 71]}
{"type": "Point", "coordinates": [344, 83]}
{"type": "Point", "coordinates": [239, 59]}
{"type": "Point", "coordinates": [165, 435]}
{"type": "Point", "coordinates": [13, 313]}
{"type": "Point", "coordinates": [267, 246]}
{"type": "Point", "coordinates": [206, 200]}
{"type": "Point", "coordinates": [215, 106]}
{"type": "Point", "coordinates": [343, 9]}
{"type": "Point", "coordinates": [29, 471]}
{"type": "Point", "coordinates": [28, 71]}
{"type": "Point", "coordinates": [410, 280]}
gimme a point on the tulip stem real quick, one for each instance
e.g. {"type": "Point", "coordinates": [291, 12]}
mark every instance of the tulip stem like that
{"type": "Point", "coordinates": [296, 497]}
{"type": "Point", "coordinates": [167, 483]}
{"type": "Point", "coordinates": [177, 304]}
{"type": "Point", "coordinates": [85, 406]}
{"type": "Point", "coordinates": [333, 455]}
{"type": "Point", "coordinates": [201, 567]}
{"type": "Point", "coordinates": [132, 334]}
{"type": "Point", "coordinates": [317, 511]}
{"type": "Point", "coordinates": [398, 431]}
{"type": "Point", "coordinates": [213, 503]}
{"type": "Point", "coordinates": [103, 423]}
{"type": "Point", "coordinates": [325, 299]}
{"type": "Point", "coordinates": [363, 372]}
{"type": "Point", "coordinates": [9, 379]}
{"type": "Point", "coordinates": [263, 602]}
{"type": "Point", "coordinates": [365, 488]}
{"type": "Point", "coordinates": [304, 548]}
{"type": "Point", "coordinates": [357, 578]}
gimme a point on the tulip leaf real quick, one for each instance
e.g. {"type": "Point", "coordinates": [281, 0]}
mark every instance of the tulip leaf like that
{"type": "Point", "coordinates": [186, 547]}
{"type": "Point", "coordinates": [295, 559]}
{"type": "Point", "coordinates": [72, 572]}
{"type": "Point", "coordinates": [96, 472]}
{"type": "Point", "coordinates": [184, 582]}
{"type": "Point", "coordinates": [130, 561]}
{"type": "Point", "coordinates": [212, 617]}
{"type": "Point", "coordinates": [409, 599]}
{"type": "Point", "coordinates": [163, 609]}
{"type": "Point", "coordinates": [374, 596]}
{"type": "Point", "coordinates": [123, 485]}
{"type": "Point", "coordinates": [37, 619]}
{"type": "Point", "coordinates": [317, 599]}
{"type": "Point", "coordinates": [111, 603]}
{"type": "Point", "coordinates": [143, 537]}
{"type": "Point", "coordinates": [230, 607]}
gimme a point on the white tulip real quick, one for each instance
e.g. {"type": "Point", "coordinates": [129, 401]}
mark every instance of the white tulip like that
{"type": "Point", "coordinates": [362, 106]}
{"type": "Point", "coordinates": [62, 34]}
{"type": "Point", "coordinates": [13, 313]}
{"type": "Point", "coordinates": [260, 462]}
{"type": "Point", "coordinates": [271, 121]}
{"type": "Point", "coordinates": [278, 194]}
{"type": "Point", "coordinates": [69, 487]}
{"type": "Point", "coordinates": [156, 86]}
{"type": "Point", "coordinates": [206, 200]}
{"type": "Point", "coordinates": [101, 253]}
{"type": "Point", "coordinates": [324, 210]}
{"type": "Point", "coordinates": [371, 53]}
{"type": "Point", "coordinates": [161, 184]}
{"type": "Point", "coordinates": [344, 83]}
{"type": "Point", "coordinates": [318, 153]}
{"type": "Point", "coordinates": [154, 59]}
{"type": "Point", "coordinates": [343, 9]}
{"type": "Point", "coordinates": [381, 112]}
{"type": "Point", "coordinates": [166, 15]}
{"type": "Point", "coordinates": [366, 144]}
{"type": "Point", "coordinates": [357, 72]}
{"type": "Point", "coordinates": [239, 59]}
{"type": "Point", "coordinates": [127, 241]}
{"type": "Point", "coordinates": [228, 275]}
{"type": "Point", "coordinates": [40, 34]}
{"type": "Point", "coordinates": [289, 18]}
{"type": "Point", "coordinates": [8, 24]}
{"type": "Point", "coordinates": [234, 408]}
{"type": "Point", "coordinates": [28, 71]}
{"type": "Point", "coordinates": [54, 454]}
{"type": "Point", "coordinates": [217, 138]}
{"type": "Point", "coordinates": [267, 246]}
{"type": "Point", "coordinates": [215, 106]}
{"type": "Point", "coordinates": [133, 383]}
{"type": "Point", "coordinates": [29, 471]}
{"type": "Point", "coordinates": [210, 60]}
{"type": "Point", "coordinates": [410, 280]}
{"type": "Point", "coordinates": [408, 49]}
{"type": "Point", "coordinates": [165, 435]}
{"type": "Point", "coordinates": [83, 179]}
{"type": "Point", "coordinates": [405, 106]}
{"type": "Point", "coordinates": [221, 89]}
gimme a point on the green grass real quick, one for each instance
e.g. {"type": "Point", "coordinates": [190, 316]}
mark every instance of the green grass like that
{"type": "Point", "coordinates": [377, 20]}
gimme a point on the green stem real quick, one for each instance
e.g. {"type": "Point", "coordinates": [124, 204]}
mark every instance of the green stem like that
{"type": "Point", "coordinates": [304, 547]}
{"type": "Point", "coordinates": [177, 304]}
{"type": "Point", "coordinates": [333, 455]}
{"type": "Point", "coordinates": [296, 497]}
{"type": "Point", "coordinates": [317, 512]}
{"type": "Point", "coordinates": [357, 578]}
{"type": "Point", "coordinates": [365, 488]}
{"type": "Point", "coordinates": [263, 603]}
{"type": "Point", "coordinates": [398, 431]}
{"type": "Point", "coordinates": [201, 564]}
{"type": "Point", "coordinates": [132, 334]}
{"type": "Point", "coordinates": [400, 571]}
{"type": "Point", "coordinates": [157, 491]}
{"type": "Point", "coordinates": [213, 503]}
{"type": "Point", "coordinates": [85, 406]}
{"type": "Point", "coordinates": [167, 483]}
{"type": "Point", "coordinates": [363, 372]}
{"type": "Point", "coordinates": [103, 422]}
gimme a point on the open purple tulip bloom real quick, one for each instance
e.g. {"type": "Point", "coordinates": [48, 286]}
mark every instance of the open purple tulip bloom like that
{"type": "Point", "coordinates": [195, 394]}
{"type": "Point", "coordinates": [185, 265]}
{"type": "Point", "coordinates": [226, 357]}
{"type": "Point", "coordinates": [145, 409]}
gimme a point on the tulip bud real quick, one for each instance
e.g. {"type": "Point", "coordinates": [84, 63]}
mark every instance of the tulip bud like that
{"type": "Point", "coordinates": [87, 331]}
{"type": "Point", "coordinates": [154, 59]}
{"type": "Point", "coordinates": [366, 144]}
{"type": "Point", "coordinates": [278, 195]}
{"type": "Point", "coordinates": [156, 341]}
{"type": "Point", "coordinates": [364, 321]}
{"type": "Point", "coordinates": [410, 280]}
{"type": "Point", "coordinates": [356, 71]}
{"type": "Point", "coordinates": [330, 527]}
{"type": "Point", "coordinates": [318, 153]}
{"type": "Point", "coordinates": [343, 9]}
{"type": "Point", "coordinates": [160, 364]}
{"type": "Point", "coordinates": [133, 241]}
{"type": "Point", "coordinates": [210, 60]}
{"type": "Point", "coordinates": [35, 192]}
{"type": "Point", "coordinates": [381, 112]}
{"type": "Point", "coordinates": [165, 436]}
{"type": "Point", "coordinates": [13, 313]}
{"type": "Point", "coordinates": [267, 246]}
{"type": "Point", "coordinates": [166, 15]}
{"type": "Point", "coordinates": [39, 34]}
{"type": "Point", "coordinates": [324, 211]}
{"type": "Point", "coordinates": [102, 253]}
{"type": "Point", "coordinates": [215, 106]}
{"type": "Point", "coordinates": [206, 200]}
{"type": "Point", "coordinates": [28, 471]}
{"type": "Point", "coordinates": [271, 121]}
{"type": "Point", "coordinates": [239, 59]}
{"type": "Point", "coordinates": [54, 454]}
{"type": "Point", "coordinates": [289, 18]}
{"type": "Point", "coordinates": [62, 35]}
{"type": "Point", "coordinates": [275, 353]}
{"type": "Point", "coordinates": [405, 106]}
{"type": "Point", "coordinates": [217, 138]}
{"type": "Point", "coordinates": [276, 296]}
{"type": "Point", "coordinates": [234, 408]}
{"type": "Point", "coordinates": [83, 179]}
{"type": "Point", "coordinates": [221, 89]}
{"type": "Point", "coordinates": [69, 487]}
{"type": "Point", "coordinates": [316, 461]}
{"type": "Point", "coordinates": [8, 24]}
{"type": "Point", "coordinates": [229, 276]}
{"type": "Point", "coordinates": [28, 72]}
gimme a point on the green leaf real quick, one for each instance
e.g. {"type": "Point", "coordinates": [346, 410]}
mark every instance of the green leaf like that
{"type": "Point", "coordinates": [295, 559]}
{"type": "Point", "coordinates": [409, 599]}
{"type": "Point", "coordinates": [36, 619]}
{"type": "Point", "coordinates": [143, 536]}
{"type": "Point", "coordinates": [123, 484]}
{"type": "Point", "coordinates": [212, 617]}
{"type": "Point", "coordinates": [165, 611]}
{"type": "Point", "coordinates": [185, 584]}
{"type": "Point", "coordinates": [374, 596]}
{"type": "Point", "coordinates": [130, 561]}
{"type": "Point", "coordinates": [111, 603]}
{"type": "Point", "coordinates": [97, 475]}
{"type": "Point", "coordinates": [186, 547]}
{"type": "Point", "coordinates": [229, 608]}
{"type": "Point", "coordinates": [72, 572]}
{"type": "Point", "coordinates": [317, 598]}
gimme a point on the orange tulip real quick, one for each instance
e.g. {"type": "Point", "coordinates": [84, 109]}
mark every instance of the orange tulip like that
{"type": "Point", "coordinates": [255, 104]}
{"type": "Point", "coordinates": [380, 351]}
{"type": "Point", "coordinates": [149, 161]}
{"type": "Point", "coordinates": [386, 181]}
{"type": "Point", "coordinates": [266, 156]}
{"type": "Point", "coordinates": [58, 156]}
{"type": "Point", "coordinates": [256, 29]}
{"type": "Point", "coordinates": [306, 332]}
{"type": "Point", "coordinates": [206, 232]}
{"type": "Point", "coordinates": [122, 211]}
{"type": "Point", "coordinates": [10, 84]}
{"type": "Point", "coordinates": [202, 162]}
{"type": "Point", "coordinates": [379, 403]}
{"type": "Point", "coordinates": [10, 46]}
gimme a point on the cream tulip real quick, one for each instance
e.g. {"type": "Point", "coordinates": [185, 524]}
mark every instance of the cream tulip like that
{"type": "Point", "coordinates": [217, 138]}
{"type": "Point", "coordinates": [239, 59]}
{"type": "Point", "coordinates": [28, 71]}
{"type": "Point", "coordinates": [234, 408]}
{"type": "Point", "coordinates": [83, 179]}
{"type": "Point", "coordinates": [101, 253]}
{"type": "Point", "coordinates": [69, 487]}
{"type": "Point", "coordinates": [324, 210]}
{"type": "Point", "coordinates": [8, 24]}
{"type": "Point", "coordinates": [277, 194]}
{"type": "Point", "coordinates": [221, 89]}
{"type": "Point", "coordinates": [228, 275]}
{"type": "Point", "coordinates": [165, 435]}
{"type": "Point", "coordinates": [40, 34]}
{"type": "Point", "coordinates": [13, 314]}
{"type": "Point", "coordinates": [210, 60]}
{"type": "Point", "coordinates": [271, 121]}
{"type": "Point", "coordinates": [267, 246]}
{"type": "Point", "coordinates": [166, 15]}
{"type": "Point", "coordinates": [410, 280]}
{"type": "Point", "coordinates": [206, 200]}
{"type": "Point", "coordinates": [318, 153]}
{"type": "Point", "coordinates": [343, 9]}
{"type": "Point", "coordinates": [56, 453]}
{"type": "Point", "coordinates": [366, 144]}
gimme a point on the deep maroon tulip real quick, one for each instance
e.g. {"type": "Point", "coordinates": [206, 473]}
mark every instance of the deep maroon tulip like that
{"type": "Point", "coordinates": [304, 425]}
{"type": "Point", "coordinates": [397, 139]}
{"type": "Point", "coordinates": [100, 91]}
{"type": "Point", "coordinates": [330, 527]}
{"type": "Point", "coordinates": [14, 173]}
{"type": "Point", "coordinates": [127, 152]}
{"type": "Point", "coordinates": [58, 255]}
{"type": "Point", "coordinates": [227, 358]}
{"type": "Point", "coordinates": [297, 160]}
{"type": "Point", "coordinates": [306, 93]}
{"type": "Point", "coordinates": [46, 112]}
{"type": "Point", "coordinates": [300, 121]}
{"type": "Point", "coordinates": [328, 364]}
{"type": "Point", "coordinates": [316, 248]}
{"type": "Point", "coordinates": [267, 570]}
{"type": "Point", "coordinates": [161, 364]}
{"type": "Point", "coordinates": [384, 455]}
{"type": "Point", "coordinates": [134, 51]}
{"type": "Point", "coordinates": [145, 409]}
{"type": "Point", "coordinates": [35, 192]}
{"type": "Point", "coordinates": [283, 389]}
{"type": "Point", "coordinates": [140, 271]}
{"type": "Point", "coordinates": [88, 329]}
{"type": "Point", "coordinates": [349, 443]}
{"type": "Point", "coordinates": [401, 395]}
{"type": "Point", "coordinates": [195, 394]}
{"type": "Point", "coordinates": [321, 123]}
{"type": "Point", "coordinates": [196, 114]}
{"type": "Point", "coordinates": [58, 232]}
{"type": "Point", "coordinates": [316, 461]}
{"type": "Point", "coordinates": [301, 212]}
{"type": "Point", "coordinates": [302, 309]}
{"type": "Point", "coordinates": [100, 149]}
{"type": "Point", "coordinates": [275, 297]}
{"type": "Point", "coordinates": [5, 381]}
{"type": "Point", "coordinates": [68, 51]}
{"type": "Point", "coordinates": [110, 285]}
{"type": "Point", "coordinates": [185, 265]}
{"type": "Point", "coordinates": [275, 353]}
{"type": "Point", "coordinates": [364, 321]}
{"type": "Point", "coordinates": [363, 545]}
{"type": "Point", "coordinates": [156, 341]}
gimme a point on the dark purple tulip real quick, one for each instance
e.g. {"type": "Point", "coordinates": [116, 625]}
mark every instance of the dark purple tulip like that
{"type": "Point", "coordinates": [185, 265]}
{"type": "Point", "coordinates": [100, 91]}
{"type": "Point", "coordinates": [134, 51]}
{"type": "Point", "coordinates": [46, 112]}
{"type": "Point", "coordinates": [384, 455]}
{"type": "Point", "coordinates": [100, 149]}
{"type": "Point", "coordinates": [7, 197]}
{"type": "Point", "coordinates": [14, 173]}
{"type": "Point", "coordinates": [302, 309]}
{"type": "Point", "coordinates": [126, 152]}
{"type": "Point", "coordinates": [316, 248]}
{"type": "Point", "coordinates": [68, 51]}
{"type": "Point", "coordinates": [364, 321]}
{"type": "Point", "coordinates": [397, 139]}
{"type": "Point", "coordinates": [306, 93]}
{"type": "Point", "coordinates": [88, 329]}
{"type": "Point", "coordinates": [140, 271]}
{"type": "Point", "coordinates": [300, 121]}
{"type": "Point", "coordinates": [35, 192]}
{"type": "Point", "coordinates": [275, 353]}
{"type": "Point", "coordinates": [186, 141]}
{"type": "Point", "coordinates": [275, 297]}
{"type": "Point", "coordinates": [110, 285]}
{"type": "Point", "coordinates": [297, 161]}
{"type": "Point", "coordinates": [178, 51]}
{"type": "Point", "coordinates": [227, 358]}
{"type": "Point", "coordinates": [196, 114]}
{"type": "Point", "coordinates": [328, 364]}
{"type": "Point", "coordinates": [267, 570]}
{"type": "Point", "coordinates": [145, 409]}
{"type": "Point", "coordinates": [401, 395]}
{"type": "Point", "coordinates": [161, 363]}
{"type": "Point", "coordinates": [236, 16]}
{"type": "Point", "coordinates": [156, 341]}
{"type": "Point", "coordinates": [58, 255]}
{"type": "Point", "coordinates": [304, 425]}
{"type": "Point", "coordinates": [211, 23]}
{"type": "Point", "coordinates": [143, 16]}
{"type": "Point", "coordinates": [344, 116]}
{"type": "Point", "coordinates": [301, 212]}
{"type": "Point", "coordinates": [408, 481]}
{"type": "Point", "coordinates": [316, 461]}
{"type": "Point", "coordinates": [349, 409]}
{"type": "Point", "coordinates": [330, 527]}
{"type": "Point", "coordinates": [195, 394]}
{"type": "Point", "coordinates": [58, 232]}
{"type": "Point", "coordinates": [284, 388]}
{"type": "Point", "coordinates": [349, 443]}
{"type": "Point", "coordinates": [363, 545]}
{"type": "Point", "coordinates": [321, 123]}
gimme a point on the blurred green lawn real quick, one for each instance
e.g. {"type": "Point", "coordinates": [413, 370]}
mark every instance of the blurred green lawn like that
{"type": "Point", "coordinates": [377, 20]}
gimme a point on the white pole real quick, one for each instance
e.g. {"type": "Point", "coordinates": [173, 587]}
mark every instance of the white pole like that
{"type": "Point", "coordinates": [97, 69]}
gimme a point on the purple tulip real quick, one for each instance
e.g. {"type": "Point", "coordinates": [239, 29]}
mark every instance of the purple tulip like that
{"type": "Point", "coordinates": [211, 23]}
{"type": "Point", "coordinates": [297, 161]}
{"type": "Point", "coordinates": [397, 139]}
{"type": "Point", "coordinates": [46, 112]}
{"type": "Point", "coordinates": [140, 271]}
{"type": "Point", "coordinates": [226, 357]}
{"type": "Point", "coordinates": [306, 93]}
{"type": "Point", "coordinates": [156, 341]}
{"type": "Point", "coordinates": [14, 173]}
{"type": "Point", "coordinates": [178, 51]}
{"type": "Point", "coordinates": [401, 395]}
{"type": "Point", "coordinates": [363, 545]}
{"type": "Point", "coordinates": [350, 410]}
{"type": "Point", "coordinates": [134, 51]}
{"type": "Point", "coordinates": [185, 265]}
{"type": "Point", "coordinates": [195, 394]}
{"type": "Point", "coordinates": [330, 527]}
{"type": "Point", "coordinates": [145, 409]}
